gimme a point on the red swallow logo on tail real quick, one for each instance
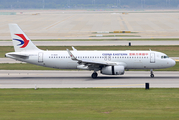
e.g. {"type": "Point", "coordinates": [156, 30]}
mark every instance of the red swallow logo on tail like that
{"type": "Point", "coordinates": [24, 42]}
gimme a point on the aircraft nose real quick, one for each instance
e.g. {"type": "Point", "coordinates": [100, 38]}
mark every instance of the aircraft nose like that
{"type": "Point", "coordinates": [173, 63]}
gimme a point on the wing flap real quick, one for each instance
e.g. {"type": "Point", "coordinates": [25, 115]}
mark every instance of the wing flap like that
{"type": "Point", "coordinates": [98, 62]}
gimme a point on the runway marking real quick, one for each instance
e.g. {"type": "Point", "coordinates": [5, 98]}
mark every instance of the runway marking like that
{"type": "Point", "coordinates": [58, 22]}
{"type": "Point", "coordinates": [121, 86]}
{"type": "Point", "coordinates": [176, 60]}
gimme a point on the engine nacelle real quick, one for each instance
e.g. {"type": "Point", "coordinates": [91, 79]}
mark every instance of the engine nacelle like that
{"type": "Point", "coordinates": [113, 70]}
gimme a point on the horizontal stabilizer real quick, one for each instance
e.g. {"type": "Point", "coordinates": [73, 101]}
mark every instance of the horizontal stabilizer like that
{"type": "Point", "coordinates": [17, 55]}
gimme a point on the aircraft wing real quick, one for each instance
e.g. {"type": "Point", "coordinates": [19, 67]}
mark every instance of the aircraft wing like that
{"type": "Point", "coordinates": [86, 62]}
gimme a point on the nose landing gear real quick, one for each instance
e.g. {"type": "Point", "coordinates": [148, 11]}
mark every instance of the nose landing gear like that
{"type": "Point", "coordinates": [151, 73]}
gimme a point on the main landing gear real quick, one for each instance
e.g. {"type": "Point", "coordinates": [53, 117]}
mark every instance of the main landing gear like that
{"type": "Point", "coordinates": [151, 73]}
{"type": "Point", "coordinates": [94, 75]}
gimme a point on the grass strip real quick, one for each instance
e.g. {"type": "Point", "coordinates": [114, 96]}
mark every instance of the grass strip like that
{"type": "Point", "coordinates": [170, 50]}
{"type": "Point", "coordinates": [27, 66]}
{"type": "Point", "coordinates": [23, 66]}
{"type": "Point", "coordinates": [89, 104]}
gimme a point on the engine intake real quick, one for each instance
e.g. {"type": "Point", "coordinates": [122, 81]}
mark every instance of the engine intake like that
{"type": "Point", "coordinates": [113, 70]}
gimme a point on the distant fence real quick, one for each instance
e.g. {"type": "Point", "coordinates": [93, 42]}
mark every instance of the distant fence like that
{"type": "Point", "coordinates": [7, 13]}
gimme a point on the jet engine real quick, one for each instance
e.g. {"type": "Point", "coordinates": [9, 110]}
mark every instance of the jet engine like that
{"type": "Point", "coordinates": [113, 70]}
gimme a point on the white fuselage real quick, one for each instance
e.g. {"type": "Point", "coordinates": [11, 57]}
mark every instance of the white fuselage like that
{"type": "Point", "coordinates": [130, 59]}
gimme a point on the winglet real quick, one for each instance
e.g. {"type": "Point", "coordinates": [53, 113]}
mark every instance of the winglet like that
{"type": "Point", "coordinates": [74, 49]}
{"type": "Point", "coordinates": [71, 55]}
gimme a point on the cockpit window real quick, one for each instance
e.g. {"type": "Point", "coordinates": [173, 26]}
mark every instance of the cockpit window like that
{"type": "Point", "coordinates": [164, 57]}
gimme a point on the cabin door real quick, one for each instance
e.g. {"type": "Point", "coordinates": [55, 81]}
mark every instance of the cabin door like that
{"type": "Point", "coordinates": [40, 57]}
{"type": "Point", "coordinates": [152, 57]}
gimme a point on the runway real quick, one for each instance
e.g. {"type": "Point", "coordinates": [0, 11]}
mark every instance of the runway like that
{"type": "Point", "coordinates": [82, 79]}
{"type": "Point", "coordinates": [94, 43]}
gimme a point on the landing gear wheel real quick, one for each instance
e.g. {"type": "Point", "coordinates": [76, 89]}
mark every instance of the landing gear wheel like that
{"type": "Point", "coordinates": [94, 75]}
{"type": "Point", "coordinates": [152, 75]}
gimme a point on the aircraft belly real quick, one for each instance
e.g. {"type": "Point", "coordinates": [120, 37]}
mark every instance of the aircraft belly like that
{"type": "Point", "coordinates": [138, 65]}
{"type": "Point", "coordinates": [67, 64]}
{"type": "Point", "coordinates": [71, 65]}
{"type": "Point", "coordinates": [31, 60]}
{"type": "Point", "coordinates": [61, 64]}
{"type": "Point", "coordinates": [135, 65]}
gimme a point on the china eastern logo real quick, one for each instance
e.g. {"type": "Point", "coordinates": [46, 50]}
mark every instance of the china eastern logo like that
{"type": "Point", "coordinates": [24, 42]}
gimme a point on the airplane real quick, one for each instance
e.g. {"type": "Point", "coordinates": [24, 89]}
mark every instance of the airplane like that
{"type": "Point", "coordinates": [107, 62]}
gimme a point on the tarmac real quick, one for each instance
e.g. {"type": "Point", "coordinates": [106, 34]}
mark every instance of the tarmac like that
{"type": "Point", "coordinates": [64, 23]}
{"type": "Point", "coordinates": [82, 79]}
